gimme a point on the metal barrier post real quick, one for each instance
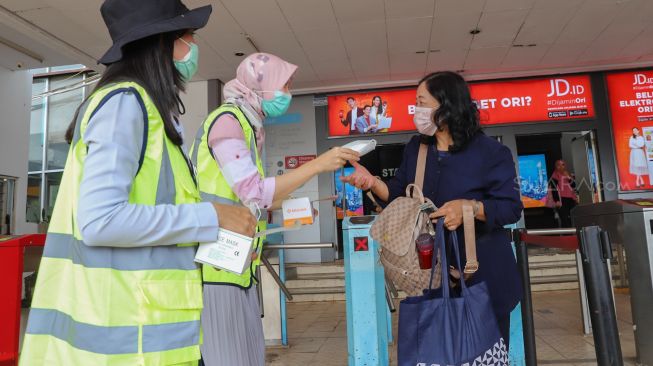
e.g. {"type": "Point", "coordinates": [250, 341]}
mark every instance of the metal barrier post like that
{"type": "Point", "coordinates": [530, 351]}
{"type": "Point", "coordinates": [596, 251]}
{"type": "Point", "coordinates": [582, 289]}
{"type": "Point", "coordinates": [367, 308]}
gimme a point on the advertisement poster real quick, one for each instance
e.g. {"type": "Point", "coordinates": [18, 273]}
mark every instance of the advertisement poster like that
{"type": "Point", "coordinates": [347, 195]}
{"type": "Point", "coordinates": [499, 102]}
{"type": "Point", "coordinates": [533, 180]}
{"type": "Point", "coordinates": [533, 100]}
{"type": "Point", "coordinates": [631, 107]}
{"type": "Point", "coordinates": [376, 112]}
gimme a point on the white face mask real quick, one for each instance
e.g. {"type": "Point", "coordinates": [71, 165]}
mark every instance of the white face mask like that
{"type": "Point", "coordinates": [423, 120]}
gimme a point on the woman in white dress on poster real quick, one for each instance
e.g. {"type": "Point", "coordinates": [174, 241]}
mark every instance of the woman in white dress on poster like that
{"type": "Point", "coordinates": [638, 163]}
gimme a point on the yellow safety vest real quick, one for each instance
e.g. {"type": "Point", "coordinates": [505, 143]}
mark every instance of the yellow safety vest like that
{"type": "Point", "coordinates": [118, 306]}
{"type": "Point", "coordinates": [214, 187]}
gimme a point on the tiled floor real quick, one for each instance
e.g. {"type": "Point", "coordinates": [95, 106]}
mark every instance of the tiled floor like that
{"type": "Point", "coordinates": [318, 333]}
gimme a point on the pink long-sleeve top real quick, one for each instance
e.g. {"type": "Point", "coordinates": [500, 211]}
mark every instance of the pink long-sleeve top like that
{"type": "Point", "coordinates": [237, 164]}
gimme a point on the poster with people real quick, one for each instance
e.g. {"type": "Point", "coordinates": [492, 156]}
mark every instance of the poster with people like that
{"type": "Point", "coordinates": [376, 112]}
{"type": "Point", "coordinates": [347, 196]}
{"type": "Point", "coordinates": [631, 107]}
{"type": "Point", "coordinates": [533, 180]}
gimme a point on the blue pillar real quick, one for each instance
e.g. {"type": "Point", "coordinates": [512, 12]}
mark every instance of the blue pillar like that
{"type": "Point", "coordinates": [367, 309]}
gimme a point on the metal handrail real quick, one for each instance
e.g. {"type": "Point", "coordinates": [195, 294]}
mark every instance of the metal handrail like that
{"type": "Point", "coordinates": [298, 246]}
{"type": "Point", "coordinates": [545, 232]}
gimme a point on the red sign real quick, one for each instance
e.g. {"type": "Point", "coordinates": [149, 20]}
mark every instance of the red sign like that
{"type": "Point", "coordinates": [389, 111]}
{"type": "Point", "coordinates": [631, 106]}
{"type": "Point", "coordinates": [534, 100]}
{"type": "Point", "coordinates": [294, 162]}
{"type": "Point", "coordinates": [361, 244]}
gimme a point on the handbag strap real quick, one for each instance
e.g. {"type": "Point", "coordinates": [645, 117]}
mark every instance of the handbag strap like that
{"type": "Point", "coordinates": [471, 266]}
{"type": "Point", "coordinates": [421, 165]}
{"type": "Point", "coordinates": [440, 248]}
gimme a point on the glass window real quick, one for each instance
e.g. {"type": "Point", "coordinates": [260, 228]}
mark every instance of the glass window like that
{"type": "Point", "coordinates": [61, 110]}
{"type": "Point", "coordinates": [33, 213]}
{"type": "Point", "coordinates": [37, 126]}
{"type": "Point", "coordinates": [53, 182]}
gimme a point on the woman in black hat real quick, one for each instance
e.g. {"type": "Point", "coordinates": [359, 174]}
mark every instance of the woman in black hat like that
{"type": "Point", "coordinates": [117, 284]}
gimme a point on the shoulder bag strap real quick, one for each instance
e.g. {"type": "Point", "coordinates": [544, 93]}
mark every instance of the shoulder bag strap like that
{"type": "Point", "coordinates": [471, 266]}
{"type": "Point", "coordinates": [421, 166]}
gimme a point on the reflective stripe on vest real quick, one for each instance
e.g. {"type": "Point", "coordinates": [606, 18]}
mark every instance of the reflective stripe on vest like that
{"type": "Point", "coordinates": [214, 187]}
{"type": "Point", "coordinates": [117, 305]}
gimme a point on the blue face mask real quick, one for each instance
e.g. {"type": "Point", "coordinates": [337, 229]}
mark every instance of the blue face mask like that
{"type": "Point", "coordinates": [278, 105]}
{"type": "Point", "coordinates": [187, 67]}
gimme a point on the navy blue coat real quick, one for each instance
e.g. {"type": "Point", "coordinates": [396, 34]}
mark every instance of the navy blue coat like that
{"type": "Point", "coordinates": [484, 171]}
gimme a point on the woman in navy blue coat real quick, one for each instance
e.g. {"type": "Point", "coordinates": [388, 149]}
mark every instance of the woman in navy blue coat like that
{"type": "Point", "coordinates": [463, 165]}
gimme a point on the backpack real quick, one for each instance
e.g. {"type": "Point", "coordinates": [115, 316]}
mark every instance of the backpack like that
{"type": "Point", "coordinates": [396, 230]}
{"type": "Point", "coordinates": [398, 226]}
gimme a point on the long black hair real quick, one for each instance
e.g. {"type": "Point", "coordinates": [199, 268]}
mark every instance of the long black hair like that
{"type": "Point", "coordinates": [148, 62]}
{"type": "Point", "coordinates": [457, 111]}
{"type": "Point", "coordinates": [379, 109]}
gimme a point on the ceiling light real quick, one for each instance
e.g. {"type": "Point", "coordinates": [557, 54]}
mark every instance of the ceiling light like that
{"type": "Point", "coordinates": [475, 31]}
{"type": "Point", "coordinates": [239, 54]}
{"type": "Point", "coordinates": [420, 52]}
{"type": "Point", "coordinates": [531, 45]}
{"type": "Point", "coordinates": [518, 45]}
{"type": "Point", "coordinates": [433, 51]}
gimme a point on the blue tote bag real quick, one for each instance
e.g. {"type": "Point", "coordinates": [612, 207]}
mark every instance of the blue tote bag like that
{"type": "Point", "coordinates": [441, 329]}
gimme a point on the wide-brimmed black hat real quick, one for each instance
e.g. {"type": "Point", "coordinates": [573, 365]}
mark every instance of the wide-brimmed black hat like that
{"type": "Point", "coordinates": [131, 20]}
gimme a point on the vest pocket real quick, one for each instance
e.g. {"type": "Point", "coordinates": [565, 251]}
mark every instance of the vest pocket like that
{"type": "Point", "coordinates": [172, 294]}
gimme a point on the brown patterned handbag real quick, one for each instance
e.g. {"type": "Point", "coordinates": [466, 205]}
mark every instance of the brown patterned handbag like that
{"type": "Point", "coordinates": [396, 229]}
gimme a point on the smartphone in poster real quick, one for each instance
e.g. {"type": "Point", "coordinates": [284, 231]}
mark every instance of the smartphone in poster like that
{"type": "Point", "coordinates": [631, 107]}
{"type": "Point", "coordinates": [347, 196]}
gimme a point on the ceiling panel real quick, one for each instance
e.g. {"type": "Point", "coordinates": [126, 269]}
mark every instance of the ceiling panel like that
{"type": "Point", "coordinates": [447, 7]}
{"type": "Point", "coordinates": [358, 11]}
{"type": "Point", "coordinates": [588, 23]}
{"type": "Point", "coordinates": [640, 45]}
{"type": "Point", "coordinates": [543, 25]}
{"type": "Point", "coordinates": [498, 29]}
{"type": "Point", "coordinates": [332, 70]}
{"type": "Point", "coordinates": [451, 31]}
{"type": "Point", "coordinates": [373, 63]}
{"type": "Point", "coordinates": [323, 44]}
{"type": "Point", "coordinates": [407, 63]}
{"type": "Point", "coordinates": [448, 59]}
{"type": "Point", "coordinates": [257, 17]}
{"type": "Point", "coordinates": [409, 8]}
{"type": "Point", "coordinates": [562, 54]}
{"type": "Point", "coordinates": [364, 38]}
{"type": "Point", "coordinates": [505, 5]}
{"type": "Point", "coordinates": [308, 14]}
{"type": "Point", "coordinates": [20, 5]}
{"type": "Point", "coordinates": [409, 34]}
{"type": "Point", "coordinates": [483, 59]}
{"type": "Point", "coordinates": [561, 5]}
{"type": "Point", "coordinates": [524, 57]}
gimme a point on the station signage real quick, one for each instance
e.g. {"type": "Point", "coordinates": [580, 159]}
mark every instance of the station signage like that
{"type": "Point", "coordinates": [630, 96]}
{"type": "Point", "coordinates": [560, 98]}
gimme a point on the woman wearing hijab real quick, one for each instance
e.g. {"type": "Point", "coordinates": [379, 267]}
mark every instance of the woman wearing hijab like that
{"type": "Point", "coordinates": [117, 284]}
{"type": "Point", "coordinates": [563, 190]}
{"type": "Point", "coordinates": [227, 152]}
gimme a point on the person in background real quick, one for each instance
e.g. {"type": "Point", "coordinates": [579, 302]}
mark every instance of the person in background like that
{"type": "Point", "coordinates": [364, 123]}
{"type": "Point", "coordinates": [352, 116]}
{"type": "Point", "coordinates": [118, 284]}
{"type": "Point", "coordinates": [378, 110]}
{"type": "Point", "coordinates": [638, 162]}
{"type": "Point", "coordinates": [563, 191]}
{"type": "Point", "coordinates": [228, 153]}
{"type": "Point", "coordinates": [463, 166]}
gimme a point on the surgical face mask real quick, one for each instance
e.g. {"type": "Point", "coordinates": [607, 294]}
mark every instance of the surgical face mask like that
{"type": "Point", "coordinates": [278, 105]}
{"type": "Point", "coordinates": [423, 120]}
{"type": "Point", "coordinates": [187, 66]}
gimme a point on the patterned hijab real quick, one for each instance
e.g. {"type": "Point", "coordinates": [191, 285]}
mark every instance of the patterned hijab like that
{"type": "Point", "coordinates": [258, 76]}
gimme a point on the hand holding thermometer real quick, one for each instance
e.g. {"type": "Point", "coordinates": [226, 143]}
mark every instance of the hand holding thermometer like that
{"type": "Point", "coordinates": [362, 146]}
